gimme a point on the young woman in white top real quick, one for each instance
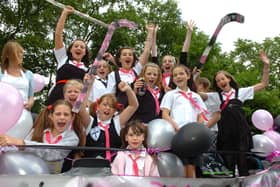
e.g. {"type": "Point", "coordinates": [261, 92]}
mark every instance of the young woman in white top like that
{"type": "Point", "coordinates": [13, 73]}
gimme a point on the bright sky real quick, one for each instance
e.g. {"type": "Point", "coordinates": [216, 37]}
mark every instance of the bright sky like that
{"type": "Point", "coordinates": [261, 19]}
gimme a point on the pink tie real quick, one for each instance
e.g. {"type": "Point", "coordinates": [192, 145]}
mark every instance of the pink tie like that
{"type": "Point", "coordinates": [164, 77]}
{"type": "Point", "coordinates": [227, 100]}
{"type": "Point", "coordinates": [48, 138]}
{"type": "Point", "coordinates": [155, 95]}
{"type": "Point", "coordinates": [107, 139]}
{"type": "Point", "coordinates": [134, 164]}
{"type": "Point", "coordinates": [195, 105]}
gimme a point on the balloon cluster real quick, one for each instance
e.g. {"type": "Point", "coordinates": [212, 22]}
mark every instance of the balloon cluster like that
{"type": "Point", "coordinates": [269, 141]}
{"type": "Point", "coordinates": [190, 141]}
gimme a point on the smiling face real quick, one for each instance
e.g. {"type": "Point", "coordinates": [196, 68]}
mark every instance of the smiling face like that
{"type": "Point", "coordinates": [103, 69]}
{"type": "Point", "coordinates": [167, 63]}
{"type": "Point", "coordinates": [78, 50]}
{"type": "Point", "coordinates": [180, 77]}
{"type": "Point", "coordinates": [223, 82]}
{"type": "Point", "coordinates": [134, 139]}
{"type": "Point", "coordinates": [126, 58]}
{"type": "Point", "coordinates": [61, 118]}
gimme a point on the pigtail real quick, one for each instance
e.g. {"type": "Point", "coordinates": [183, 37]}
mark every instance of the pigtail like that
{"type": "Point", "coordinates": [41, 123]}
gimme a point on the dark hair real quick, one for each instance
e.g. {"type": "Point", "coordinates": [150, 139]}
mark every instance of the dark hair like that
{"type": "Point", "coordinates": [118, 55]}
{"type": "Point", "coordinates": [191, 84]}
{"type": "Point", "coordinates": [138, 128]}
{"type": "Point", "coordinates": [232, 82]}
{"type": "Point", "coordinates": [85, 58]}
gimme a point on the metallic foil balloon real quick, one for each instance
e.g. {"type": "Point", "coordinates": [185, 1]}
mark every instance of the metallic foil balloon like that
{"type": "Point", "coordinates": [23, 126]}
{"type": "Point", "coordinates": [169, 165]}
{"type": "Point", "coordinates": [191, 140]}
{"type": "Point", "coordinates": [263, 144]}
{"type": "Point", "coordinates": [160, 134]}
{"type": "Point", "coordinates": [22, 163]}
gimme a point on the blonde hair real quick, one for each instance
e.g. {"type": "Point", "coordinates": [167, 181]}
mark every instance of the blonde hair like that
{"type": "Point", "coordinates": [159, 78]}
{"type": "Point", "coordinates": [73, 82]}
{"type": "Point", "coordinates": [10, 53]}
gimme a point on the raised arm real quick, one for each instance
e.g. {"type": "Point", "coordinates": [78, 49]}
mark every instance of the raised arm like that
{"type": "Point", "coordinates": [265, 76]}
{"type": "Point", "coordinates": [190, 25]}
{"type": "Point", "coordinates": [58, 41]}
{"type": "Point", "coordinates": [148, 44]}
{"type": "Point", "coordinates": [154, 52]}
{"type": "Point", "coordinates": [132, 103]}
{"type": "Point", "coordinates": [186, 46]}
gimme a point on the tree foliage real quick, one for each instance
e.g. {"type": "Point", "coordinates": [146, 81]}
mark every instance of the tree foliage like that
{"type": "Point", "coordinates": [32, 23]}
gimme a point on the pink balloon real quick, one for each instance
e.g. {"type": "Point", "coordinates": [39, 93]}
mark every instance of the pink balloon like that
{"type": "Point", "coordinates": [11, 106]}
{"type": "Point", "coordinates": [39, 82]}
{"type": "Point", "coordinates": [262, 120]}
{"type": "Point", "coordinates": [274, 136]}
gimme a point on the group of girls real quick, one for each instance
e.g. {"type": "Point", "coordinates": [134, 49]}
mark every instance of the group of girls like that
{"type": "Point", "coordinates": [116, 116]}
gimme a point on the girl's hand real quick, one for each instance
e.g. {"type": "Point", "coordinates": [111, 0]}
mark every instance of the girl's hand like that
{"type": "Point", "coordinates": [264, 58]}
{"type": "Point", "coordinates": [123, 86]}
{"type": "Point", "coordinates": [28, 105]}
{"type": "Point", "coordinates": [89, 78]}
{"type": "Point", "coordinates": [109, 57]}
{"type": "Point", "coordinates": [151, 27]}
{"type": "Point", "coordinates": [68, 10]}
{"type": "Point", "coordinates": [6, 140]}
{"type": "Point", "coordinates": [190, 25]}
{"type": "Point", "coordinates": [138, 83]}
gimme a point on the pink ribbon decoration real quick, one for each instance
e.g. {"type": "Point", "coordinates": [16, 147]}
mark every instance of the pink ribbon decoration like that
{"type": "Point", "coordinates": [273, 155]}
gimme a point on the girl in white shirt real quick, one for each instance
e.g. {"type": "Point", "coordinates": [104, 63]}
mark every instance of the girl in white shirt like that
{"type": "Point", "coordinates": [182, 106]}
{"type": "Point", "coordinates": [57, 125]}
{"type": "Point", "coordinates": [234, 132]}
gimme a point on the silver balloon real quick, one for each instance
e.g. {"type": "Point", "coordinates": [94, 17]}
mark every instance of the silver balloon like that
{"type": "Point", "coordinates": [160, 134]}
{"type": "Point", "coordinates": [22, 163]}
{"type": "Point", "coordinates": [169, 165]}
{"type": "Point", "coordinates": [23, 126]}
{"type": "Point", "coordinates": [263, 144]}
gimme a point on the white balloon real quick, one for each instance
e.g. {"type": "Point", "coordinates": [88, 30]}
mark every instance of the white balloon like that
{"type": "Point", "coordinates": [160, 134]}
{"type": "Point", "coordinates": [23, 125]}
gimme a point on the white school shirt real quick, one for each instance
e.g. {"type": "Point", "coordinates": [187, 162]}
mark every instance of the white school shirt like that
{"type": "Point", "coordinates": [61, 57]}
{"type": "Point", "coordinates": [181, 109]}
{"type": "Point", "coordinates": [128, 78]}
{"type": "Point", "coordinates": [244, 94]}
{"type": "Point", "coordinates": [211, 108]}
{"type": "Point", "coordinates": [20, 83]}
{"type": "Point", "coordinates": [98, 89]}
{"type": "Point", "coordinates": [69, 138]}
{"type": "Point", "coordinates": [129, 163]}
